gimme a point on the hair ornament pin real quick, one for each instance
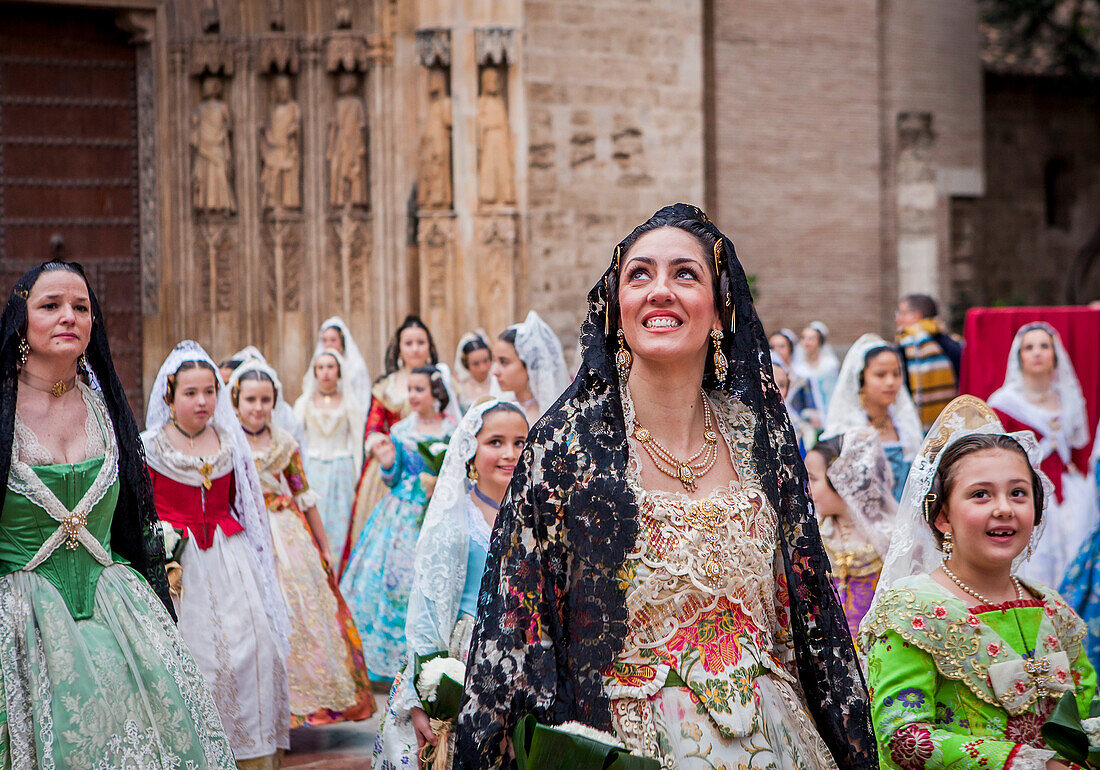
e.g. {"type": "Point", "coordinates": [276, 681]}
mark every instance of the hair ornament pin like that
{"type": "Point", "coordinates": [928, 502]}
{"type": "Point", "coordinates": [618, 257]}
{"type": "Point", "coordinates": [717, 257]}
{"type": "Point", "coordinates": [24, 293]}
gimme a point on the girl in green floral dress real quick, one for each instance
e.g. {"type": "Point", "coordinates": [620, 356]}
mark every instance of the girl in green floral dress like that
{"type": "Point", "coordinates": [966, 661]}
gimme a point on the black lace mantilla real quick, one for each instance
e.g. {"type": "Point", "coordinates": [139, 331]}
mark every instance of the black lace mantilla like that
{"type": "Point", "coordinates": [135, 529]}
{"type": "Point", "coordinates": [552, 614]}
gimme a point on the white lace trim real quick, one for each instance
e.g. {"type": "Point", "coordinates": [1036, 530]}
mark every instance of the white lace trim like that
{"type": "Point", "coordinates": [22, 480]}
{"type": "Point", "coordinates": [480, 531]}
{"type": "Point", "coordinates": [184, 468]}
{"type": "Point", "coordinates": [1030, 758]}
{"type": "Point", "coordinates": [31, 450]}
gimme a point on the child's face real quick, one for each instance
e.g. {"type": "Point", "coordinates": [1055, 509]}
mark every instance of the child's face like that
{"type": "Point", "coordinates": [990, 512]}
{"type": "Point", "coordinates": [826, 501]}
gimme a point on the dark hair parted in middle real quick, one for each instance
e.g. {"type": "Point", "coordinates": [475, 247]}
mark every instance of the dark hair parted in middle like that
{"type": "Point", "coordinates": [945, 479]}
{"type": "Point", "coordinates": [252, 375]}
{"type": "Point", "coordinates": [393, 350]}
{"type": "Point", "coordinates": [872, 354]}
{"type": "Point", "coordinates": [435, 379]}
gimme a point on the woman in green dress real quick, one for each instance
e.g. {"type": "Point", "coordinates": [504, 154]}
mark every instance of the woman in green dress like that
{"type": "Point", "coordinates": [965, 660]}
{"type": "Point", "coordinates": [92, 671]}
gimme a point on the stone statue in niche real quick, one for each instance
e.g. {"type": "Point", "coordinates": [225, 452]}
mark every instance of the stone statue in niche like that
{"type": "Point", "coordinates": [494, 142]}
{"type": "Point", "coordinates": [347, 150]}
{"type": "Point", "coordinates": [211, 127]}
{"type": "Point", "coordinates": [281, 150]}
{"type": "Point", "coordinates": [434, 188]}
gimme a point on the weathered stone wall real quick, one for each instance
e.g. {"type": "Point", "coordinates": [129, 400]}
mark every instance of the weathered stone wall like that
{"type": "Point", "coordinates": [1024, 252]}
{"type": "Point", "coordinates": [615, 114]}
{"type": "Point", "coordinates": [808, 99]}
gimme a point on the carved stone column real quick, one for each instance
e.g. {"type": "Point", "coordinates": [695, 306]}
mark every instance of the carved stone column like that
{"type": "Point", "coordinates": [436, 223]}
{"type": "Point", "coordinates": [496, 245]}
{"type": "Point", "coordinates": [918, 256]}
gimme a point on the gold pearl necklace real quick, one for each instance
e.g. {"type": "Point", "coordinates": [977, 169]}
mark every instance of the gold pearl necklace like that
{"type": "Point", "coordinates": [694, 467]}
{"type": "Point", "coordinates": [955, 579]}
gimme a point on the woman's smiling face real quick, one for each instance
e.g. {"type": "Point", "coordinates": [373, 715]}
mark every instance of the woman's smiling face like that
{"type": "Point", "coordinates": [666, 297]}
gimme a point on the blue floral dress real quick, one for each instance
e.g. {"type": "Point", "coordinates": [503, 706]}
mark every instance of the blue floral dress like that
{"type": "Point", "coordinates": [379, 575]}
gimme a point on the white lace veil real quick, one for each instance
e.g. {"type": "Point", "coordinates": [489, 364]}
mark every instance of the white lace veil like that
{"type": "Point", "coordinates": [1010, 398]}
{"type": "Point", "coordinates": [441, 552]}
{"type": "Point", "coordinates": [913, 548]}
{"type": "Point", "coordinates": [847, 413]}
{"type": "Point", "coordinates": [862, 477]}
{"type": "Point", "coordinates": [827, 361]}
{"type": "Point", "coordinates": [283, 413]}
{"type": "Point", "coordinates": [352, 366]}
{"type": "Point", "coordinates": [540, 350]}
{"type": "Point", "coordinates": [461, 373]}
{"type": "Point", "coordinates": [249, 503]}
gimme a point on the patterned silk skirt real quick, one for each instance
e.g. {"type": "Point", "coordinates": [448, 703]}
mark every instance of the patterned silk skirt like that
{"type": "Point", "coordinates": [334, 482]}
{"type": "Point", "coordinates": [118, 689]}
{"type": "Point", "coordinates": [223, 621]}
{"type": "Point", "coordinates": [328, 678]}
{"type": "Point", "coordinates": [378, 581]}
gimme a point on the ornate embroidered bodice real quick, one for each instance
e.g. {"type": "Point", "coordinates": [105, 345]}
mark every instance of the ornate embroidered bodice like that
{"type": "Point", "coordinates": [704, 604]}
{"type": "Point", "coordinates": [56, 519]}
{"type": "Point", "coordinates": [281, 475]}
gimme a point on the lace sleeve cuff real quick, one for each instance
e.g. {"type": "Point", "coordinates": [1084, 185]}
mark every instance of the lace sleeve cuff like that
{"type": "Point", "coordinates": [1025, 757]}
{"type": "Point", "coordinates": [306, 500]}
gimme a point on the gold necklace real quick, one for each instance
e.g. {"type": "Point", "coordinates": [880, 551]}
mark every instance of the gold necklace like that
{"type": "Point", "coordinates": [57, 389]}
{"type": "Point", "coordinates": [694, 467]}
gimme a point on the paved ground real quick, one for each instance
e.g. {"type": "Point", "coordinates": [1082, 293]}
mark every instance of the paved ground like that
{"type": "Point", "coordinates": [342, 746]}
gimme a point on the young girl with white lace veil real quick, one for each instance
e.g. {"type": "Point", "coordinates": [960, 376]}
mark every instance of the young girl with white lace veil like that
{"type": "Point", "coordinates": [450, 560]}
{"type": "Point", "coordinates": [965, 660]}
{"type": "Point", "coordinates": [530, 365]}
{"type": "Point", "coordinates": [378, 579]}
{"type": "Point", "coordinates": [852, 489]}
{"type": "Point", "coordinates": [334, 334]}
{"type": "Point", "coordinates": [473, 376]}
{"type": "Point", "coordinates": [870, 391]}
{"type": "Point", "coordinates": [328, 678]}
{"type": "Point", "coordinates": [815, 363]}
{"type": "Point", "coordinates": [1041, 394]}
{"type": "Point", "coordinates": [231, 609]}
{"type": "Point", "coordinates": [333, 422]}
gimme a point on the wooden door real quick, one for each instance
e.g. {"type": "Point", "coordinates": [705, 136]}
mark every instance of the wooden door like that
{"type": "Point", "coordinates": [68, 162]}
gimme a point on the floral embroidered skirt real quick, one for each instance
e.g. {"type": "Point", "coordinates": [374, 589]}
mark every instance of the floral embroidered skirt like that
{"type": "Point", "coordinates": [783, 736]}
{"type": "Point", "coordinates": [118, 689]}
{"type": "Point", "coordinates": [223, 621]}
{"type": "Point", "coordinates": [378, 581]}
{"type": "Point", "coordinates": [334, 482]}
{"type": "Point", "coordinates": [328, 678]}
{"type": "Point", "coordinates": [395, 746]}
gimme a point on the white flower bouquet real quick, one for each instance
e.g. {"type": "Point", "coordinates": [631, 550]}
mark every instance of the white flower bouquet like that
{"type": "Point", "coordinates": [572, 746]}
{"type": "Point", "coordinates": [439, 680]}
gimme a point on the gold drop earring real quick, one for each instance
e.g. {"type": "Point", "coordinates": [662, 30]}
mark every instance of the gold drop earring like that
{"type": "Point", "coordinates": [721, 365]}
{"type": "Point", "coordinates": [623, 359]}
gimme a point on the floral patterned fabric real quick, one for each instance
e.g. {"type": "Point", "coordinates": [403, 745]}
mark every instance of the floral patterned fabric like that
{"type": "Point", "coordinates": [955, 686]}
{"type": "Point", "coordinates": [379, 575]}
{"type": "Point", "coordinates": [707, 604]}
{"type": "Point", "coordinates": [327, 674]}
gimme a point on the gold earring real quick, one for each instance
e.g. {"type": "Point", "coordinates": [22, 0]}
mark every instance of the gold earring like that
{"type": "Point", "coordinates": [623, 359]}
{"type": "Point", "coordinates": [471, 472]}
{"type": "Point", "coordinates": [172, 412]}
{"type": "Point", "coordinates": [24, 351]}
{"type": "Point", "coordinates": [721, 365]}
{"type": "Point", "coordinates": [1031, 545]}
{"type": "Point", "coordinates": [82, 363]}
{"type": "Point", "coordinates": [948, 546]}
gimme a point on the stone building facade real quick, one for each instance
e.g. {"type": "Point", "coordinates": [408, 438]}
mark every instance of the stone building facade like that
{"type": "Point", "coordinates": [471, 159]}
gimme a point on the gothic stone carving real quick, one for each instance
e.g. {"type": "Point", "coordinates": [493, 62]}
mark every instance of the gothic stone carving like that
{"type": "Point", "coordinates": [433, 47]}
{"type": "Point", "coordinates": [211, 128]}
{"type": "Point", "coordinates": [495, 185]}
{"type": "Point", "coordinates": [281, 150]}
{"type": "Point", "coordinates": [347, 150]}
{"type": "Point", "coordinates": [434, 188]}
{"type": "Point", "coordinates": [496, 248]}
{"type": "Point", "coordinates": [494, 46]}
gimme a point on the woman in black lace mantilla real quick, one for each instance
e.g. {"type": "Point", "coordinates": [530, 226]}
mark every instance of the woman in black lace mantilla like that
{"type": "Point", "coordinates": [683, 604]}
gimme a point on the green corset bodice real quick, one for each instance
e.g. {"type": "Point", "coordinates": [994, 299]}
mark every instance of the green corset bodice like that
{"type": "Point", "coordinates": [24, 527]}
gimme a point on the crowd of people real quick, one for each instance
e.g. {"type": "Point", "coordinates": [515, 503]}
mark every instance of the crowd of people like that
{"type": "Point", "coordinates": [719, 548]}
